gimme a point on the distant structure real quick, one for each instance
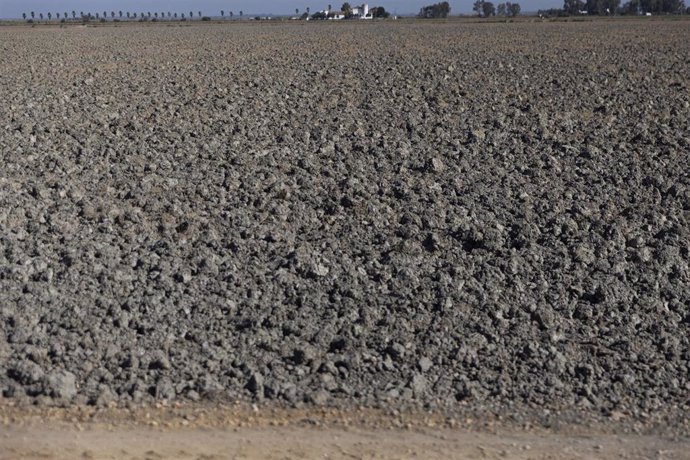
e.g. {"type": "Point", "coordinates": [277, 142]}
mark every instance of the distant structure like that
{"type": "Point", "coordinates": [361, 11]}
{"type": "Point", "coordinates": [357, 12]}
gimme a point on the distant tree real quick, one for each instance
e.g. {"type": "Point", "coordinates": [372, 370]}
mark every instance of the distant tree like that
{"type": "Point", "coordinates": [513, 9]}
{"type": "Point", "coordinates": [222, 13]}
{"type": "Point", "coordinates": [169, 14]}
{"type": "Point", "coordinates": [74, 14]}
{"type": "Point", "coordinates": [477, 7]}
{"type": "Point", "coordinates": [24, 16]}
{"type": "Point", "coordinates": [672, 6]}
{"type": "Point", "coordinates": [199, 14]}
{"type": "Point", "coordinates": [96, 15]}
{"type": "Point", "coordinates": [127, 14]}
{"type": "Point", "coordinates": [296, 11]}
{"type": "Point", "coordinates": [329, 7]}
{"type": "Point", "coordinates": [488, 9]}
{"type": "Point", "coordinates": [50, 15]}
{"type": "Point", "coordinates": [346, 9]}
{"type": "Point", "coordinates": [191, 15]}
{"type": "Point", "coordinates": [175, 15]}
{"type": "Point", "coordinates": [40, 15]}
{"type": "Point", "coordinates": [148, 14]}
{"type": "Point", "coordinates": [33, 15]}
{"type": "Point", "coordinates": [501, 9]}
{"type": "Point", "coordinates": [379, 12]}
{"type": "Point", "coordinates": [573, 7]}
{"type": "Point", "coordinates": [241, 13]}
{"type": "Point", "coordinates": [437, 10]}
{"type": "Point", "coordinates": [231, 15]}
{"type": "Point", "coordinates": [319, 15]}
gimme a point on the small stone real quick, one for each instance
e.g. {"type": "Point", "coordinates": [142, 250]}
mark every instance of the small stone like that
{"type": "Point", "coordinates": [26, 372]}
{"type": "Point", "coordinates": [165, 389]}
{"type": "Point", "coordinates": [320, 270]}
{"type": "Point", "coordinates": [396, 350]}
{"type": "Point", "coordinates": [425, 364]}
{"type": "Point", "coordinates": [256, 384]}
{"type": "Point", "coordinates": [61, 384]}
{"type": "Point", "coordinates": [436, 165]}
{"type": "Point", "coordinates": [320, 397]}
{"type": "Point", "coordinates": [478, 135]}
{"type": "Point", "coordinates": [418, 384]}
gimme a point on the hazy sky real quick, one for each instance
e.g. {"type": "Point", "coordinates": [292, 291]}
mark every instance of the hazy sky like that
{"type": "Point", "coordinates": [15, 8]}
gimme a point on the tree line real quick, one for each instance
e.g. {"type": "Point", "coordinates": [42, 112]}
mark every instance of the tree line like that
{"type": "Point", "coordinates": [121, 16]}
{"type": "Point", "coordinates": [610, 7]}
{"type": "Point", "coordinates": [435, 11]}
{"type": "Point", "coordinates": [488, 9]}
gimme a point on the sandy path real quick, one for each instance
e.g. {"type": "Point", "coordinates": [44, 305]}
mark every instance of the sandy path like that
{"type": "Point", "coordinates": [61, 442]}
{"type": "Point", "coordinates": [206, 432]}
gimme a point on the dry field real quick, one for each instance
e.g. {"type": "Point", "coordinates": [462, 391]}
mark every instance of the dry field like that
{"type": "Point", "coordinates": [476, 221]}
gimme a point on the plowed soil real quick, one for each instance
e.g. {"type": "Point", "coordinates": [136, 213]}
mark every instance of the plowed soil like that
{"type": "Point", "coordinates": [483, 221]}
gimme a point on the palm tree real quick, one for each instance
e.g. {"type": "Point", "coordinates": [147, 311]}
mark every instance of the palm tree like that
{"type": "Point", "coordinates": [33, 15]}
{"type": "Point", "coordinates": [296, 11]}
{"type": "Point", "coordinates": [329, 7]}
{"type": "Point", "coordinates": [175, 15]}
{"type": "Point", "coordinates": [222, 13]}
{"type": "Point", "coordinates": [120, 14]}
{"type": "Point", "coordinates": [128, 15]}
{"type": "Point", "coordinates": [170, 14]}
{"type": "Point", "coordinates": [24, 16]}
{"type": "Point", "coordinates": [74, 14]}
{"type": "Point", "coordinates": [241, 13]}
{"type": "Point", "coordinates": [231, 15]}
{"type": "Point", "coordinates": [191, 15]}
{"type": "Point", "coordinates": [308, 10]}
{"type": "Point", "coordinates": [50, 15]}
{"type": "Point", "coordinates": [199, 14]}
{"type": "Point", "coordinates": [64, 15]}
{"type": "Point", "coordinates": [40, 15]}
{"type": "Point", "coordinates": [155, 15]}
{"type": "Point", "coordinates": [162, 14]}
{"type": "Point", "coordinates": [96, 15]}
{"type": "Point", "coordinates": [105, 14]}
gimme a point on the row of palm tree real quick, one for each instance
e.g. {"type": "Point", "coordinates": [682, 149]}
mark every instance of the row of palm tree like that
{"type": "Point", "coordinates": [122, 15]}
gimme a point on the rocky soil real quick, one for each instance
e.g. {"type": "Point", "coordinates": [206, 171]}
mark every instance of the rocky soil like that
{"type": "Point", "coordinates": [488, 216]}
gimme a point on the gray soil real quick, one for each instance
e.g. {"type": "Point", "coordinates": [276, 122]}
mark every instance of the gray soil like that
{"type": "Point", "coordinates": [453, 217]}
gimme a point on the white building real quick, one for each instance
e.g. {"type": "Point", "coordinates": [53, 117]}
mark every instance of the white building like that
{"type": "Point", "coordinates": [359, 12]}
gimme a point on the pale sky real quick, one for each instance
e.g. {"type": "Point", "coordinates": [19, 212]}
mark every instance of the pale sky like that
{"type": "Point", "coordinates": [15, 8]}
